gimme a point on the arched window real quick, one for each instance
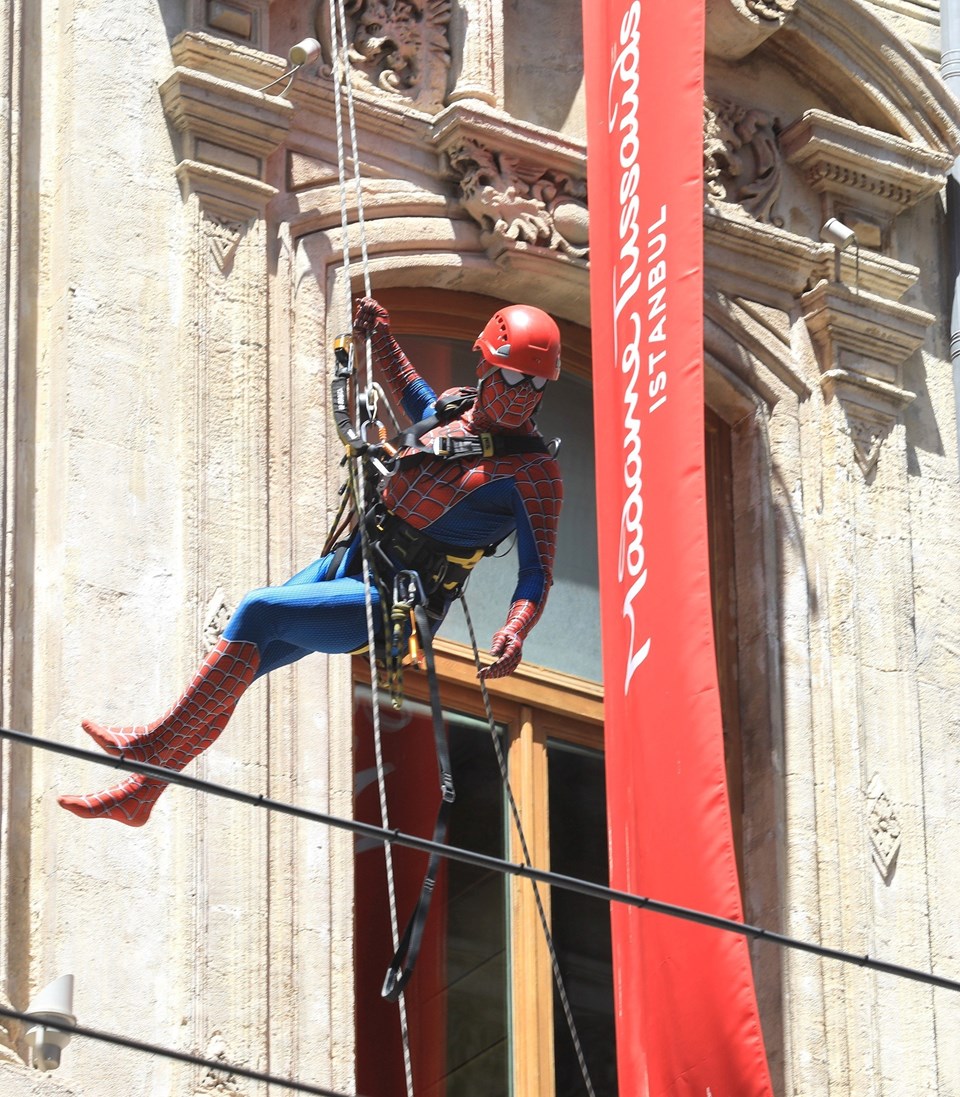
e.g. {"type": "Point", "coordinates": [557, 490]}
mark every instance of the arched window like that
{"type": "Point", "coordinates": [483, 1011]}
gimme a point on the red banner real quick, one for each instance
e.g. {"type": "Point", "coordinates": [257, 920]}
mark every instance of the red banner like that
{"type": "Point", "coordinates": [687, 1020]}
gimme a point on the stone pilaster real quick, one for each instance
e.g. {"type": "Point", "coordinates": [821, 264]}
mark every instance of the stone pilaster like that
{"type": "Point", "coordinates": [478, 26]}
{"type": "Point", "coordinates": [862, 343]}
{"type": "Point", "coordinates": [18, 232]}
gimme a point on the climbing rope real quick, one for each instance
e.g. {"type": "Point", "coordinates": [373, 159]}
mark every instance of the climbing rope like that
{"type": "Point", "coordinates": [342, 87]}
{"type": "Point", "coordinates": [397, 975]}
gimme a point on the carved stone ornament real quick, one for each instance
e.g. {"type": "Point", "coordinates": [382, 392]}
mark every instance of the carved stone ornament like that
{"type": "Point", "coordinates": [516, 203]}
{"type": "Point", "coordinates": [216, 617]}
{"type": "Point", "coordinates": [775, 10]}
{"type": "Point", "coordinates": [743, 168]}
{"type": "Point", "coordinates": [222, 1083]}
{"type": "Point", "coordinates": [885, 829]}
{"type": "Point", "coordinates": [735, 28]}
{"type": "Point", "coordinates": [862, 342]}
{"type": "Point", "coordinates": [224, 238]}
{"type": "Point", "coordinates": [864, 176]}
{"type": "Point", "coordinates": [398, 46]}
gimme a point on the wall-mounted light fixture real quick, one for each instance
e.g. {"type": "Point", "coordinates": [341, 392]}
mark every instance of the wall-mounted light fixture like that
{"type": "Point", "coordinates": [53, 1004]}
{"type": "Point", "coordinates": [303, 53]}
{"type": "Point", "coordinates": [835, 232]}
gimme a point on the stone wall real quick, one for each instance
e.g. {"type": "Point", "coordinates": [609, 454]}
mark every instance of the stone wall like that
{"type": "Point", "coordinates": [173, 276]}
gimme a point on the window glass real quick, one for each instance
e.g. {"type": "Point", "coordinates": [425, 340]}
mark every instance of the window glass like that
{"type": "Point", "coordinates": [567, 638]}
{"type": "Point", "coordinates": [581, 925]}
{"type": "Point", "coordinates": [457, 996]}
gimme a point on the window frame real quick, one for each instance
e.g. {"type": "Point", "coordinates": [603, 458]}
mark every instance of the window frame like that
{"type": "Point", "coordinates": [535, 706]}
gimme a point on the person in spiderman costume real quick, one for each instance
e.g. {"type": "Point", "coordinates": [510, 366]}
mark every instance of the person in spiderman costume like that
{"type": "Point", "coordinates": [458, 489]}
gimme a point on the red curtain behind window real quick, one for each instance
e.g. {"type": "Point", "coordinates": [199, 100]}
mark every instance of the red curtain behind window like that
{"type": "Point", "coordinates": [410, 759]}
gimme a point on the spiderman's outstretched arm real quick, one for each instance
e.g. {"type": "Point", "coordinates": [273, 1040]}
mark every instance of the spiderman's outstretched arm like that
{"type": "Point", "coordinates": [539, 496]}
{"type": "Point", "coordinates": [407, 387]}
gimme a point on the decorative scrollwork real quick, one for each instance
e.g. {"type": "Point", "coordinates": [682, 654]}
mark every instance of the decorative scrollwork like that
{"type": "Point", "coordinates": [743, 166]}
{"type": "Point", "coordinates": [522, 203]}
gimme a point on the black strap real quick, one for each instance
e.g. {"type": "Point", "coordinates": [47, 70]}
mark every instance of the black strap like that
{"type": "Point", "coordinates": [340, 397]}
{"type": "Point", "coordinates": [401, 968]}
{"type": "Point", "coordinates": [445, 409]}
{"type": "Point", "coordinates": [486, 444]}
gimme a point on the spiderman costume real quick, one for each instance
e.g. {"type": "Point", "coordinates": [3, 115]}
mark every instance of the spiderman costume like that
{"type": "Point", "coordinates": [459, 489]}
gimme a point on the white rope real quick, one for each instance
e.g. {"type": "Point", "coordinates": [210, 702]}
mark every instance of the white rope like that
{"type": "Point", "coordinates": [342, 84]}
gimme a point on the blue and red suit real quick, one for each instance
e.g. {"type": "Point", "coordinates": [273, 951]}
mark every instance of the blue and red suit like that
{"type": "Point", "coordinates": [461, 504]}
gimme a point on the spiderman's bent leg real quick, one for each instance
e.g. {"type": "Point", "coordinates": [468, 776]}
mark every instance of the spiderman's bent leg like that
{"type": "Point", "coordinates": [185, 730]}
{"type": "Point", "coordinates": [329, 616]}
{"type": "Point", "coordinates": [282, 622]}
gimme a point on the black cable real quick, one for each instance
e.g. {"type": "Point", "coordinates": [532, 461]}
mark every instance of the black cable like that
{"type": "Point", "coordinates": [169, 1053]}
{"type": "Point", "coordinates": [484, 861]}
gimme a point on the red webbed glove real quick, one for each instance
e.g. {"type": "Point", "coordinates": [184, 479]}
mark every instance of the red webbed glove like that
{"type": "Point", "coordinates": [507, 644]}
{"type": "Point", "coordinates": [371, 318]}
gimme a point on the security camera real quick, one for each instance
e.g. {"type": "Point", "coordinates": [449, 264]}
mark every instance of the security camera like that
{"type": "Point", "coordinates": [837, 233]}
{"type": "Point", "coordinates": [304, 52]}
{"type": "Point", "coordinates": [52, 1005]}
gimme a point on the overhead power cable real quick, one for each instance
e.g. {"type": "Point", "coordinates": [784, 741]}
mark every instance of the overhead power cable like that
{"type": "Point", "coordinates": [485, 861]}
{"type": "Point", "coordinates": [218, 1065]}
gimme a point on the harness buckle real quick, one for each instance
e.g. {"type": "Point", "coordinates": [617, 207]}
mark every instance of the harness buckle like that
{"type": "Point", "coordinates": [447, 791]}
{"type": "Point", "coordinates": [446, 446]}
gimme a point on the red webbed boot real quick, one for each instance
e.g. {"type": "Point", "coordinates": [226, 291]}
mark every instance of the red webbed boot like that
{"type": "Point", "coordinates": [182, 733]}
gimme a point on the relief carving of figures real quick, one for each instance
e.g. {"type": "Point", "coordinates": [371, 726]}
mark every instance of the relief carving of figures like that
{"type": "Point", "coordinates": [399, 46]}
{"type": "Point", "coordinates": [522, 203]}
{"type": "Point", "coordinates": [743, 165]}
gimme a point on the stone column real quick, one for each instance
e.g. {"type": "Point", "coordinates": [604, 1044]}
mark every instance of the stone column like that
{"type": "Point", "coordinates": [478, 27]}
{"type": "Point", "coordinates": [18, 231]}
{"type": "Point", "coordinates": [228, 131]}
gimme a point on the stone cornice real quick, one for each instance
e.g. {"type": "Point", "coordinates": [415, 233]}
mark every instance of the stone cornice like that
{"type": "Point", "coordinates": [875, 171]}
{"type": "Point", "coordinates": [757, 261]}
{"type": "Point", "coordinates": [862, 342]}
{"type": "Point", "coordinates": [871, 74]}
{"type": "Point", "coordinates": [229, 127]}
{"type": "Point", "coordinates": [226, 113]}
{"type": "Point", "coordinates": [523, 140]}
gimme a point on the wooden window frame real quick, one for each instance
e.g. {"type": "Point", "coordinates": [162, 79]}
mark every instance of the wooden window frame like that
{"type": "Point", "coordinates": [535, 705]}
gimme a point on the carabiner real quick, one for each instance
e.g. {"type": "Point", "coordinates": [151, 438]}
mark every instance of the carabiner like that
{"type": "Point", "coordinates": [377, 450]}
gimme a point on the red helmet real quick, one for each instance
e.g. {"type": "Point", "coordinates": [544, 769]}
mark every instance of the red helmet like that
{"type": "Point", "coordinates": [523, 338]}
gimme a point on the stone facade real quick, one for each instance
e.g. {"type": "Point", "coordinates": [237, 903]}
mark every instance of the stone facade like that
{"type": "Point", "coordinates": [172, 248]}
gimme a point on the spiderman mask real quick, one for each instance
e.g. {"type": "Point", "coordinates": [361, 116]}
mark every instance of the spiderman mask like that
{"type": "Point", "coordinates": [507, 398]}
